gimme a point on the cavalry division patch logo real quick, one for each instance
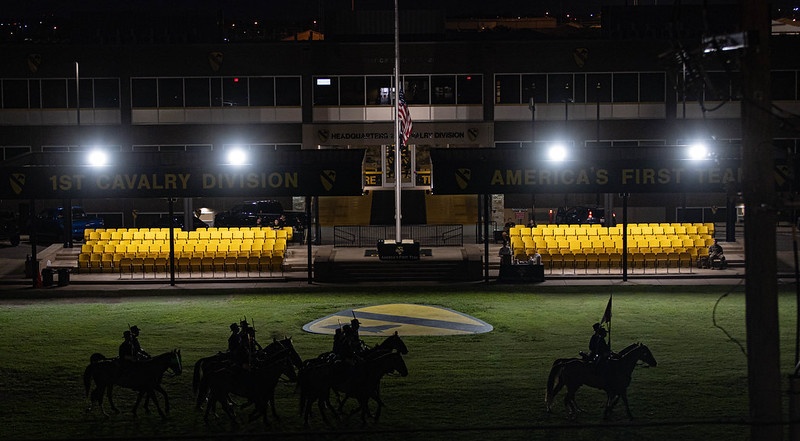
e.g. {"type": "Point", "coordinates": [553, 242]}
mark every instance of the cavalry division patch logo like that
{"type": "Point", "coordinates": [406, 319]}
{"type": "Point", "coordinates": [34, 61]}
{"type": "Point", "coordinates": [323, 135]}
{"type": "Point", "coordinates": [328, 178]}
{"type": "Point", "coordinates": [463, 176]}
{"type": "Point", "coordinates": [580, 55]}
{"type": "Point", "coordinates": [17, 182]}
{"type": "Point", "coordinates": [215, 60]}
{"type": "Point", "coordinates": [472, 134]}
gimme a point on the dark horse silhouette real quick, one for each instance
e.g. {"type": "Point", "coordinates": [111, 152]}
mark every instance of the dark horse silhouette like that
{"type": "Point", "coordinates": [142, 376]}
{"type": "Point", "coordinates": [614, 378]}
{"type": "Point", "coordinates": [257, 384]}
{"type": "Point", "coordinates": [221, 366]}
{"type": "Point", "coordinates": [224, 359]}
{"type": "Point", "coordinates": [357, 378]}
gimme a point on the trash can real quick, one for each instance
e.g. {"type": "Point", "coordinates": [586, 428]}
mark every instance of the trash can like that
{"type": "Point", "coordinates": [47, 277]}
{"type": "Point", "coordinates": [63, 276]}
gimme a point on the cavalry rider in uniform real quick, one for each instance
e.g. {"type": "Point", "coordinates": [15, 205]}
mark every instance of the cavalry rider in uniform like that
{"type": "Point", "coordinates": [599, 351]}
{"type": "Point", "coordinates": [235, 340]}
{"type": "Point", "coordinates": [126, 351]}
{"type": "Point", "coordinates": [138, 352]}
{"type": "Point", "coordinates": [354, 340]}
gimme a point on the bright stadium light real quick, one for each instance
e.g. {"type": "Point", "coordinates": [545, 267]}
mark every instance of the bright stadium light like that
{"type": "Point", "coordinates": [97, 158]}
{"type": "Point", "coordinates": [698, 151]}
{"type": "Point", "coordinates": [557, 152]}
{"type": "Point", "coordinates": [237, 156]}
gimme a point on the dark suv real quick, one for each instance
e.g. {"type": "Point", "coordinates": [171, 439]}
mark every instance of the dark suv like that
{"type": "Point", "coordinates": [9, 227]}
{"type": "Point", "coordinates": [582, 215]}
{"type": "Point", "coordinates": [248, 214]}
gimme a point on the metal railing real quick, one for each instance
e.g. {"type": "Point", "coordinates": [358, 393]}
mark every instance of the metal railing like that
{"type": "Point", "coordinates": [361, 236]}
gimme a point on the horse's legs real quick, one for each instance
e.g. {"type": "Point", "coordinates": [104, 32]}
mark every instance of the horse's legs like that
{"type": "Point", "coordinates": [164, 394]}
{"type": "Point", "coordinates": [109, 394]}
{"type": "Point", "coordinates": [624, 396]}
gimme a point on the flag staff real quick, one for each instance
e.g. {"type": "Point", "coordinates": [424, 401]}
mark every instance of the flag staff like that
{"type": "Point", "coordinates": [607, 318]}
{"type": "Point", "coordinates": [397, 157]}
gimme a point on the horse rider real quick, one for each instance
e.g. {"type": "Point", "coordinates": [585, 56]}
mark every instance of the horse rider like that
{"type": "Point", "coordinates": [138, 352]}
{"type": "Point", "coordinates": [235, 340]}
{"type": "Point", "coordinates": [599, 351]}
{"type": "Point", "coordinates": [354, 339]}
{"type": "Point", "coordinates": [126, 350]}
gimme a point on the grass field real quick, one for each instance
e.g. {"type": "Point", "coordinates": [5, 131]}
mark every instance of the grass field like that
{"type": "Point", "coordinates": [487, 386]}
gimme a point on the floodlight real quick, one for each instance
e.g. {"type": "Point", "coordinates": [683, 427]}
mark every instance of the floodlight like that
{"type": "Point", "coordinates": [557, 152]}
{"type": "Point", "coordinates": [697, 151]}
{"type": "Point", "coordinates": [97, 158]}
{"type": "Point", "coordinates": [237, 156]}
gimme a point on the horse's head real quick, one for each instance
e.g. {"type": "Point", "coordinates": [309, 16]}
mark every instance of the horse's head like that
{"type": "Point", "coordinates": [394, 342]}
{"type": "Point", "coordinates": [175, 363]}
{"type": "Point", "coordinates": [399, 365]}
{"type": "Point", "coordinates": [646, 356]}
{"type": "Point", "coordinates": [288, 370]}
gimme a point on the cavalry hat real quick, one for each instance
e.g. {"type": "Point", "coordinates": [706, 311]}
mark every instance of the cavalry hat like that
{"type": "Point", "coordinates": [134, 329]}
{"type": "Point", "coordinates": [597, 326]}
{"type": "Point", "coordinates": [234, 326]}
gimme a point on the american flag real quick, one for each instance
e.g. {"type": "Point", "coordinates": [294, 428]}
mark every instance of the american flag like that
{"type": "Point", "coordinates": [404, 116]}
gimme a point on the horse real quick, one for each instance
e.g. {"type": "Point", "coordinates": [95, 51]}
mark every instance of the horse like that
{"type": "Point", "coordinates": [359, 379]}
{"type": "Point", "coordinates": [256, 384]}
{"type": "Point", "coordinates": [363, 382]}
{"type": "Point", "coordinates": [223, 359]}
{"type": "Point", "coordinates": [142, 376]}
{"type": "Point", "coordinates": [614, 378]}
{"type": "Point", "coordinates": [276, 351]}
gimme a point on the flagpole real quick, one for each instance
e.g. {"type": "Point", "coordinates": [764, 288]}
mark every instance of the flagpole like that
{"type": "Point", "coordinates": [397, 157]}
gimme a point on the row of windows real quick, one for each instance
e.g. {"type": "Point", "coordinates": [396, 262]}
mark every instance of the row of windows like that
{"type": "Point", "coordinates": [160, 148]}
{"type": "Point", "coordinates": [100, 93]}
{"type": "Point", "coordinates": [215, 92]}
{"type": "Point", "coordinates": [417, 89]}
{"type": "Point", "coordinates": [60, 93]}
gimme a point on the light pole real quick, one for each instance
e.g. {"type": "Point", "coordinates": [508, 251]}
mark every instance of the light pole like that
{"type": "Point", "coordinates": [532, 107]}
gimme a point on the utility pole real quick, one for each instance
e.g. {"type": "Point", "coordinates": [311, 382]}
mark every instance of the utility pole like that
{"type": "Point", "coordinates": [761, 298]}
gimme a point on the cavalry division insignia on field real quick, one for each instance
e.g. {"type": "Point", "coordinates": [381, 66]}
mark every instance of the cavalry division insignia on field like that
{"type": "Point", "coordinates": [406, 319]}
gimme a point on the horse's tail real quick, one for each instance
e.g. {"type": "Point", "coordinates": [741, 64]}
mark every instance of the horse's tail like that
{"type": "Point", "coordinates": [87, 377]}
{"type": "Point", "coordinates": [555, 374]}
{"type": "Point", "coordinates": [198, 371]}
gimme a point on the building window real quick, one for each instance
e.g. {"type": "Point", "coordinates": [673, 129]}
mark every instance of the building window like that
{"type": "Point", "coordinates": [234, 91]}
{"type": "Point", "coordinates": [262, 91]}
{"type": "Point", "coordinates": [560, 88]}
{"type": "Point", "coordinates": [197, 92]}
{"type": "Point", "coordinates": [652, 87]}
{"type": "Point", "coordinates": [35, 94]}
{"type": "Point", "coordinates": [106, 93]}
{"type": "Point", "coordinates": [784, 85]}
{"type": "Point", "coordinates": [144, 92]}
{"type": "Point", "coordinates": [326, 91]}
{"type": "Point", "coordinates": [54, 94]}
{"type": "Point", "coordinates": [579, 91]}
{"type": "Point", "coordinates": [170, 92]}
{"type": "Point", "coordinates": [351, 91]}
{"type": "Point", "coordinates": [507, 89]}
{"type": "Point", "coordinates": [287, 91]}
{"type": "Point", "coordinates": [15, 94]}
{"type": "Point", "coordinates": [626, 88]}
{"type": "Point", "coordinates": [416, 89]}
{"type": "Point", "coordinates": [603, 93]}
{"type": "Point", "coordinates": [379, 90]}
{"type": "Point", "coordinates": [443, 89]}
{"type": "Point", "coordinates": [534, 85]}
{"type": "Point", "coordinates": [470, 89]}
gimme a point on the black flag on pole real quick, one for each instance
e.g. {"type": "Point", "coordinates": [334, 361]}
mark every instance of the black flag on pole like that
{"type": "Point", "coordinates": [607, 315]}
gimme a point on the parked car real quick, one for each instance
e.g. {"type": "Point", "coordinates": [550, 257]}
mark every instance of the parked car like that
{"type": "Point", "coordinates": [264, 213]}
{"type": "Point", "coordinates": [50, 223]}
{"type": "Point", "coordinates": [9, 227]}
{"type": "Point", "coordinates": [582, 215]}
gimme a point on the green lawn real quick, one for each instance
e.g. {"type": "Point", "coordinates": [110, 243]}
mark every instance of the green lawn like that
{"type": "Point", "coordinates": [487, 386]}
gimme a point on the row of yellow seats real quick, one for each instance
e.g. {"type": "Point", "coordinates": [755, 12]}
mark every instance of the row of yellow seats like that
{"type": "Point", "coordinates": [270, 248]}
{"type": "Point", "coordinates": [183, 245]}
{"type": "Point", "coordinates": [614, 260]}
{"type": "Point", "coordinates": [200, 234]}
{"type": "Point", "coordinates": [609, 242]}
{"type": "Point", "coordinates": [598, 230]}
{"type": "Point", "coordinates": [186, 265]}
